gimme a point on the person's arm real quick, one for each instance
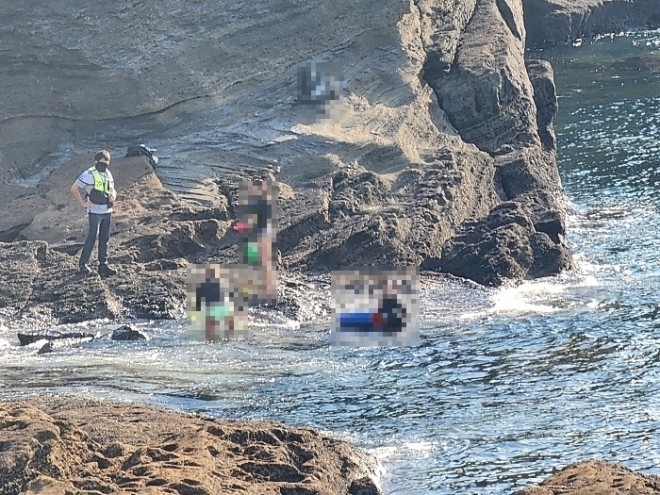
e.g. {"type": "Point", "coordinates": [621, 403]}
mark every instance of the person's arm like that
{"type": "Point", "coordinates": [113, 193]}
{"type": "Point", "coordinates": [75, 192]}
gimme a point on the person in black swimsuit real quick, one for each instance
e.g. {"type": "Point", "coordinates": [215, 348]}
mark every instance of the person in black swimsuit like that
{"type": "Point", "coordinates": [257, 235]}
{"type": "Point", "coordinates": [393, 313]}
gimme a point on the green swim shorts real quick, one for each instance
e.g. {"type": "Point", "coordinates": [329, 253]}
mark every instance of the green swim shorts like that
{"type": "Point", "coordinates": [219, 311]}
{"type": "Point", "coordinates": [252, 252]}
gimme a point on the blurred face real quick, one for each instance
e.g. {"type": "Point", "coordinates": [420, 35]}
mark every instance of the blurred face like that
{"type": "Point", "coordinates": [258, 188]}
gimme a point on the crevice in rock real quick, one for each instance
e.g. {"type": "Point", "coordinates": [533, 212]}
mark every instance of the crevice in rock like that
{"type": "Point", "coordinates": [507, 15]}
{"type": "Point", "coordinates": [12, 234]}
{"type": "Point", "coordinates": [435, 71]}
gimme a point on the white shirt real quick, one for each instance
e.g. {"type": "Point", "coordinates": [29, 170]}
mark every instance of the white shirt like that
{"type": "Point", "coordinates": [86, 182]}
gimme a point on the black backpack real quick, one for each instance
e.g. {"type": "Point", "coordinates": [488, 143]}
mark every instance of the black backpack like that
{"type": "Point", "coordinates": [143, 150]}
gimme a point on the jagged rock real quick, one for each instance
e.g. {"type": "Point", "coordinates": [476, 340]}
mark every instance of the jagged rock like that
{"type": "Point", "coordinates": [441, 122]}
{"type": "Point", "coordinates": [558, 22]}
{"type": "Point", "coordinates": [596, 478]}
{"type": "Point", "coordinates": [505, 245]}
{"type": "Point", "coordinates": [125, 332]}
{"type": "Point", "coordinates": [545, 97]}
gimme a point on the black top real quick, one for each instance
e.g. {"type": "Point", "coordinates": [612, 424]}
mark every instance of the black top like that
{"type": "Point", "coordinates": [394, 314]}
{"type": "Point", "coordinates": [209, 291]}
{"type": "Point", "coordinates": [263, 210]}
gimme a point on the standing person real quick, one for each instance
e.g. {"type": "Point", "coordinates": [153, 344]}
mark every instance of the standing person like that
{"type": "Point", "coordinates": [95, 191]}
{"type": "Point", "coordinates": [258, 231]}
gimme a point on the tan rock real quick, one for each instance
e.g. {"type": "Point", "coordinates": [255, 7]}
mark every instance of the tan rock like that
{"type": "Point", "coordinates": [596, 478]}
{"type": "Point", "coordinates": [55, 446]}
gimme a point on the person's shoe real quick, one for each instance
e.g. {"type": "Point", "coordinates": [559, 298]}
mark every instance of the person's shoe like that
{"type": "Point", "coordinates": [84, 269]}
{"type": "Point", "coordinates": [106, 271]}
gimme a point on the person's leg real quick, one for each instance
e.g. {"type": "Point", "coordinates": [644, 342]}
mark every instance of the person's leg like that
{"type": "Point", "coordinates": [104, 236]}
{"type": "Point", "coordinates": [268, 270]}
{"type": "Point", "coordinates": [91, 239]}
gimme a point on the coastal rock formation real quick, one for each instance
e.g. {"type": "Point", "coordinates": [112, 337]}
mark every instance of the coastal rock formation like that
{"type": "Point", "coordinates": [59, 445]}
{"type": "Point", "coordinates": [440, 152]}
{"type": "Point", "coordinates": [559, 22]}
{"type": "Point", "coordinates": [596, 478]}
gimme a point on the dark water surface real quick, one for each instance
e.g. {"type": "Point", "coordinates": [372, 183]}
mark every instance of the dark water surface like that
{"type": "Point", "coordinates": [506, 385]}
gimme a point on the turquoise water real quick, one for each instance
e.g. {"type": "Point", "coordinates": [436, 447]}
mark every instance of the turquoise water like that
{"type": "Point", "coordinates": [506, 385]}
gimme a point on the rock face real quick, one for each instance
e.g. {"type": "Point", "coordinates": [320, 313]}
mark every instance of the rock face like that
{"type": "Point", "coordinates": [57, 446]}
{"type": "Point", "coordinates": [596, 478]}
{"type": "Point", "coordinates": [558, 22]}
{"type": "Point", "coordinates": [439, 154]}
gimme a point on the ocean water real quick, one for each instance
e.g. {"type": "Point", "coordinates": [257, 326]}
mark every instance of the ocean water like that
{"type": "Point", "coordinates": [506, 385]}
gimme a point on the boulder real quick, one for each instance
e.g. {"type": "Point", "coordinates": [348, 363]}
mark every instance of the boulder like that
{"type": "Point", "coordinates": [595, 477]}
{"type": "Point", "coordinates": [125, 332]}
{"type": "Point", "coordinates": [58, 445]}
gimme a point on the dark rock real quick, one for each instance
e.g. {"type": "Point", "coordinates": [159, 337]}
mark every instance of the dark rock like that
{"type": "Point", "coordinates": [545, 97]}
{"type": "Point", "coordinates": [364, 486]}
{"type": "Point", "coordinates": [46, 348]}
{"type": "Point", "coordinates": [126, 332]}
{"type": "Point", "coordinates": [143, 150]}
{"type": "Point", "coordinates": [489, 100]}
{"type": "Point", "coordinates": [26, 339]}
{"type": "Point", "coordinates": [505, 245]}
{"type": "Point", "coordinates": [550, 23]}
{"type": "Point", "coordinates": [528, 170]}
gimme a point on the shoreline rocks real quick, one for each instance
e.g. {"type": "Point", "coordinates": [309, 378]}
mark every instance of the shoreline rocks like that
{"type": "Point", "coordinates": [449, 165]}
{"type": "Point", "coordinates": [55, 444]}
{"type": "Point", "coordinates": [596, 478]}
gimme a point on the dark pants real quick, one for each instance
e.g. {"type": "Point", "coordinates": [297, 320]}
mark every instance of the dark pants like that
{"type": "Point", "coordinates": [99, 225]}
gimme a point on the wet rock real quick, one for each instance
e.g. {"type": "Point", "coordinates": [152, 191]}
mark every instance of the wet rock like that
{"type": "Point", "coordinates": [596, 478]}
{"type": "Point", "coordinates": [46, 348]}
{"type": "Point", "coordinates": [30, 338]}
{"type": "Point", "coordinates": [545, 97]}
{"type": "Point", "coordinates": [559, 22]}
{"type": "Point", "coordinates": [128, 333]}
{"type": "Point", "coordinates": [364, 486]}
{"type": "Point", "coordinates": [505, 245]}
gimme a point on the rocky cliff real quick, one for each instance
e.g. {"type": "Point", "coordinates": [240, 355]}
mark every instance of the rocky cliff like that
{"type": "Point", "coordinates": [440, 152]}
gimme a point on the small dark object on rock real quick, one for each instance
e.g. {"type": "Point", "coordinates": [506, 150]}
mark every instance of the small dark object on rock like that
{"type": "Point", "coordinates": [46, 348]}
{"type": "Point", "coordinates": [27, 339]}
{"type": "Point", "coordinates": [143, 150]}
{"type": "Point", "coordinates": [125, 332]}
{"type": "Point", "coordinates": [364, 486]}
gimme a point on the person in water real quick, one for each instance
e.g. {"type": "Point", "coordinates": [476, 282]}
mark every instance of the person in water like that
{"type": "Point", "coordinates": [392, 311]}
{"type": "Point", "coordinates": [218, 308]}
{"type": "Point", "coordinates": [256, 227]}
{"type": "Point", "coordinates": [95, 191]}
{"type": "Point", "coordinates": [389, 318]}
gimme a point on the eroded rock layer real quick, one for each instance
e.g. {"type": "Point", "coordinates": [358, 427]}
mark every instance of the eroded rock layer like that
{"type": "Point", "coordinates": [439, 154]}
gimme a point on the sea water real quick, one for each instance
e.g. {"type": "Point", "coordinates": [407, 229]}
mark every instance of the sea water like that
{"type": "Point", "coordinates": [507, 384]}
